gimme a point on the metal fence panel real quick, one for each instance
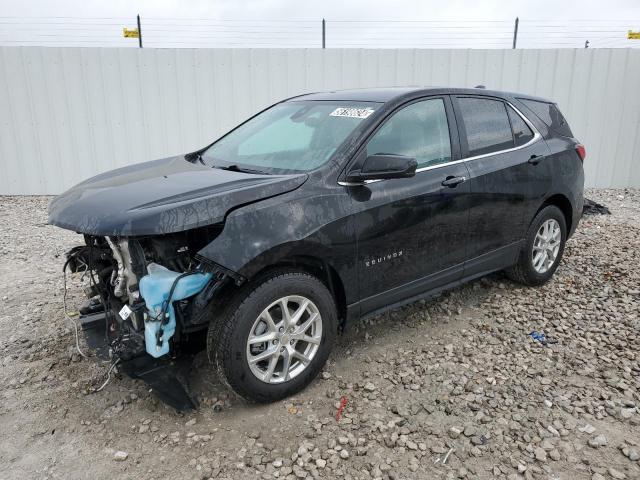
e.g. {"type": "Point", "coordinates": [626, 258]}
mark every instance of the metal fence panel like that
{"type": "Point", "coordinates": [69, 113]}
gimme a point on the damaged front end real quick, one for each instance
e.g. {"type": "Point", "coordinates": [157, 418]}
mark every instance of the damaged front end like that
{"type": "Point", "coordinates": [151, 296]}
{"type": "Point", "coordinates": [149, 301]}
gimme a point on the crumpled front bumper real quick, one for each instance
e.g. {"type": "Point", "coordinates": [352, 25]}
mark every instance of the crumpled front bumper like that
{"type": "Point", "coordinates": [163, 375]}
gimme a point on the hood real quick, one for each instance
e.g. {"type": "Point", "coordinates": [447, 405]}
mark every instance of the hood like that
{"type": "Point", "coordinates": [161, 196]}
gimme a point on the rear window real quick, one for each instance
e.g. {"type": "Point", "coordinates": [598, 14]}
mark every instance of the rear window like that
{"type": "Point", "coordinates": [487, 125]}
{"type": "Point", "coordinates": [550, 114]}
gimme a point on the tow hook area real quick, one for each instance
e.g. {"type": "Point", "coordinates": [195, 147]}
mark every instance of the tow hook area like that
{"type": "Point", "coordinates": [166, 376]}
{"type": "Point", "coordinates": [150, 303]}
{"type": "Point", "coordinates": [160, 288]}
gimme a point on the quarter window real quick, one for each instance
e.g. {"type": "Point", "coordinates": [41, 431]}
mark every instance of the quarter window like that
{"type": "Point", "coordinates": [487, 125]}
{"type": "Point", "coordinates": [521, 132]}
{"type": "Point", "coordinates": [419, 130]}
{"type": "Point", "coordinates": [550, 115]}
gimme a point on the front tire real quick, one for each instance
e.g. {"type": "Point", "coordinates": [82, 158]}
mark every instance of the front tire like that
{"type": "Point", "coordinates": [542, 249]}
{"type": "Point", "coordinates": [276, 337]}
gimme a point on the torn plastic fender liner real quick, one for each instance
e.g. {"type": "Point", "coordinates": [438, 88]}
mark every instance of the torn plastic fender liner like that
{"type": "Point", "coordinates": [160, 288]}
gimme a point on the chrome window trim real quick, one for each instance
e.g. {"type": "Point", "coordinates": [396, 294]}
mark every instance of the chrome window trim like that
{"type": "Point", "coordinates": [536, 136]}
{"type": "Point", "coordinates": [433, 167]}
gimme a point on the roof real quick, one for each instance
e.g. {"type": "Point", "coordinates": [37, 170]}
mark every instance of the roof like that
{"type": "Point", "coordinates": [386, 94]}
{"type": "Point", "coordinates": [381, 94]}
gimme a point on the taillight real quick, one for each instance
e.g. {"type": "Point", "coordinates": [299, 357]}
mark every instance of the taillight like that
{"type": "Point", "coordinates": [581, 151]}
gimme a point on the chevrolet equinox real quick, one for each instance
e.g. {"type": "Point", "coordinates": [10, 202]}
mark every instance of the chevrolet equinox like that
{"type": "Point", "coordinates": [321, 209]}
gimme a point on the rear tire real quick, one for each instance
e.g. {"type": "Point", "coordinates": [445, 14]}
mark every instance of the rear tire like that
{"type": "Point", "coordinates": [260, 355]}
{"type": "Point", "coordinates": [543, 248]}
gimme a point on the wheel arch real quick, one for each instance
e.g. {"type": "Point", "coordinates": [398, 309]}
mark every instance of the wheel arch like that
{"type": "Point", "coordinates": [315, 266]}
{"type": "Point", "coordinates": [320, 269]}
{"type": "Point", "coordinates": [563, 203]}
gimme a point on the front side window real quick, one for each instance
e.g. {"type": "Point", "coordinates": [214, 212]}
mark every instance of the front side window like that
{"type": "Point", "coordinates": [296, 136]}
{"type": "Point", "coordinates": [487, 125]}
{"type": "Point", "coordinates": [419, 130]}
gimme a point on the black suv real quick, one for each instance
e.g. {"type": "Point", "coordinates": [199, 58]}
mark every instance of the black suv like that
{"type": "Point", "coordinates": [321, 209]}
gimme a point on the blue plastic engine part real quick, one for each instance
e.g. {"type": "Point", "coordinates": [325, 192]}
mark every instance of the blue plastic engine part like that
{"type": "Point", "coordinates": [155, 288]}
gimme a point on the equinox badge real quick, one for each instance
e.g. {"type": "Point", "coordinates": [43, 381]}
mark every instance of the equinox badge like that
{"type": "Point", "coordinates": [384, 258]}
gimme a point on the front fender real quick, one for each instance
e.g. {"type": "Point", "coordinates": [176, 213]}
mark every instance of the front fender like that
{"type": "Point", "coordinates": [266, 233]}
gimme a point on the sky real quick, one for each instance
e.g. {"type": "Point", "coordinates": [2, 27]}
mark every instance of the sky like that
{"type": "Point", "coordinates": [298, 23]}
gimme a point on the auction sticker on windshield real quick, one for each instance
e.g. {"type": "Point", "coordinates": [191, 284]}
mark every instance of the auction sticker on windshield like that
{"type": "Point", "coordinates": [352, 112]}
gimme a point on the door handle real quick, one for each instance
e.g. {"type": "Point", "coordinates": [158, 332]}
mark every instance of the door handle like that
{"type": "Point", "coordinates": [535, 159]}
{"type": "Point", "coordinates": [452, 181]}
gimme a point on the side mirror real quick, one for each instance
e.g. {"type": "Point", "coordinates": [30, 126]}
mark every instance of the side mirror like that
{"type": "Point", "coordinates": [384, 166]}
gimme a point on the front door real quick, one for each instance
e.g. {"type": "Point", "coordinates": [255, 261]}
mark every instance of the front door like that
{"type": "Point", "coordinates": [411, 232]}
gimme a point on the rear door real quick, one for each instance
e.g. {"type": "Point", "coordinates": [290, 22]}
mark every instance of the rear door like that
{"type": "Point", "coordinates": [411, 232]}
{"type": "Point", "coordinates": [506, 161]}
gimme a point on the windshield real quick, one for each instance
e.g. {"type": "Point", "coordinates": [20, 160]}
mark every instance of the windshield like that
{"type": "Point", "coordinates": [290, 136]}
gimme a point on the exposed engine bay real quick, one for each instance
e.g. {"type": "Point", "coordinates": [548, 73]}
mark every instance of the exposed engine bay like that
{"type": "Point", "coordinates": [158, 267]}
{"type": "Point", "coordinates": [151, 291]}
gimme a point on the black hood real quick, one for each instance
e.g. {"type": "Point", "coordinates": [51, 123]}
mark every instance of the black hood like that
{"type": "Point", "coordinates": [161, 196]}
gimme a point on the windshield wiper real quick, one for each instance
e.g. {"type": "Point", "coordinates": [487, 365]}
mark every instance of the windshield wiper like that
{"type": "Point", "coordinates": [236, 168]}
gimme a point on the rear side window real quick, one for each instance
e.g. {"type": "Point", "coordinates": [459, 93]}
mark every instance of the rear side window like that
{"type": "Point", "coordinates": [550, 114]}
{"type": "Point", "coordinates": [487, 125]}
{"type": "Point", "coordinates": [521, 132]}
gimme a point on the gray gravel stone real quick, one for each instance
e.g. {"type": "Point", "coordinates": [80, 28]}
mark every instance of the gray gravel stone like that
{"type": "Point", "coordinates": [617, 474]}
{"type": "Point", "coordinates": [540, 454]}
{"type": "Point", "coordinates": [598, 441]}
{"type": "Point", "coordinates": [120, 456]}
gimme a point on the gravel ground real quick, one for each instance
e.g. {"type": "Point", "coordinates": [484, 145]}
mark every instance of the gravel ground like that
{"type": "Point", "coordinates": [450, 388]}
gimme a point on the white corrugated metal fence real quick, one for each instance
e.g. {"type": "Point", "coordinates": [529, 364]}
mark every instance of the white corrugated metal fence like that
{"type": "Point", "coordinates": [69, 113]}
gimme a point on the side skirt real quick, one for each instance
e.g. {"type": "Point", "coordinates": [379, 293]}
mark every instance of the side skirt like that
{"type": "Point", "coordinates": [478, 267]}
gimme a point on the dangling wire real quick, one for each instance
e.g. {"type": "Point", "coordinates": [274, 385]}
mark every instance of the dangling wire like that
{"type": "Point", "coordinates": [75, 324]}
{"type": "Point", "coordinates": [64, 307]}
{"type": "Point", "coordinates": [108, 379]}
